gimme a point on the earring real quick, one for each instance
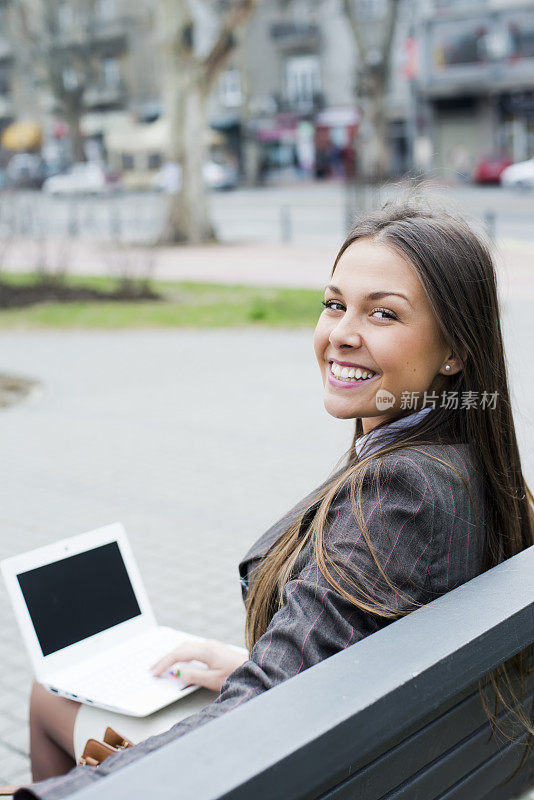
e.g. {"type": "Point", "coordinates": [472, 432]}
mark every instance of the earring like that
{"type": "Point", "coordinates": [447, 367]}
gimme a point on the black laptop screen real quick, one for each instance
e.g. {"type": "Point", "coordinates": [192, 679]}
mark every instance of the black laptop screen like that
{"type": "Point", "coordinates": [78, 596]}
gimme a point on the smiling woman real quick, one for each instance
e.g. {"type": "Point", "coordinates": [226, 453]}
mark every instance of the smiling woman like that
{"type": "Point", "coordinates": [429, 494]}
{"type": "Point", "coordinates": [400, 346]}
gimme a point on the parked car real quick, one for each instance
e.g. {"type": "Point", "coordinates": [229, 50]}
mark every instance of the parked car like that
{"type": "Point", "coordinates": [489, 168]}
{"type": "Point", "coordinates": [519, 176]}
{"type": "Point", "coordinates": [221, 174]}
{"type": "Point", "coordinates": [217, 175]}
{"type": "Point", "coordinates": [25, 171]}
{"type": "Point", "coordinates": [82, 178]}
{"type": "Point", "coordinates": [168, 178]}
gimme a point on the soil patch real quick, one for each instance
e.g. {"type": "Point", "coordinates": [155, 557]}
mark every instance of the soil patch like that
{"type": "Point", "coordinates": [14, 389]}
{"type": "Point", "coordinates": [47, 291]}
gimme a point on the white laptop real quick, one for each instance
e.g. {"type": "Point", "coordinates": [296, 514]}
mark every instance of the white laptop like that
{"type": "Point", "coordinates": [88, 626]}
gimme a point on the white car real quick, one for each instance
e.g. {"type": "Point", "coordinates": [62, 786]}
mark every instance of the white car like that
{"type": "Point", "coordinates": [220, 175]}
{"type": "Point", "coordinates": [215, 175]}
{"type": "Point", "coordinates": [81, 178]}
{"type": "Point", "coordinates": [519, 176]}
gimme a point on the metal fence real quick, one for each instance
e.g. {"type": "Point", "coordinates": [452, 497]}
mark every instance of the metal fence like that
{"type": "Point", "coordinates": [287, 215]}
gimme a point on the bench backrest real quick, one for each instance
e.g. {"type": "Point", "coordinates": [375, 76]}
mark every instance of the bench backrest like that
{"type": "Point", "coordinates": [394, 716]}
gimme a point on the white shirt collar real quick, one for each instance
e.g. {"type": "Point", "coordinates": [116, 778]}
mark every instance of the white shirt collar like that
{"type": "Point", "coordinates": [373, 439]}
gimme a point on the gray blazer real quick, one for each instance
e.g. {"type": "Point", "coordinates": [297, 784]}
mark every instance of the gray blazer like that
{"type": "Point", "coordinates": [429, 537]}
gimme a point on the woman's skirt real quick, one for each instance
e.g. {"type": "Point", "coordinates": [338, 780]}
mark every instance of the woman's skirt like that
{"type": "Point", "coordinates": [91, 722]}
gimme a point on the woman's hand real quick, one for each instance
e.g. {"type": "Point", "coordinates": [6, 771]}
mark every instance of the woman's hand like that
{"type": "Point", "coordinates": [221, 660]}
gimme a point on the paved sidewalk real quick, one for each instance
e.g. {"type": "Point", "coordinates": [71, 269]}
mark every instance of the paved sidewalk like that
{"type": "Point", "coordinates": [196, 440]}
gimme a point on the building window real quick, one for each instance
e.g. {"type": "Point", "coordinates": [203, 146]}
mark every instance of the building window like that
{"type": "Point", "coordinates": [441, 6]}
{"type": "Point", "coordinates": [230, 93]}
{"type": "Point", "coordinates": [65, 18]}
{"type": "Point", "coordinates": [460, 43]}
{"type": "Point", "coordinates": [105, 10]}
{"type": "Point", "coordinates": [3, 19]}
{"type": "Point", "coordinates": [520, 29]}
{"type": "Point", "coordinates": [154, 160]}
{"type": "Point", "coordinates": [70, 79]}
{"type": "Point", "coordinates": [372, 10]}
{"type": "Point", "coordinates": [111, 75]}
{"type": "Point", "coordinates": [302, 79]}
{"type": "Point", "coordinates": [5, 79]}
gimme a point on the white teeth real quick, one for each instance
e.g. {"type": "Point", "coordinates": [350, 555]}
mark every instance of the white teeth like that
{"type": "Point", "coordinates": [350, 373]}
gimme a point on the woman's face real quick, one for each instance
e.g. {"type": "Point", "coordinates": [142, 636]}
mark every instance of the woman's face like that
{"type": "Point", "coordinates": [366, 325]}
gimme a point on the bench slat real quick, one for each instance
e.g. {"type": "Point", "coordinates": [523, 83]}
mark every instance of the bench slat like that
{"type": "Point", "coordinates": [481, 783]}
{"type": "Point", "coordinates": [430, 761]}
{"type": "Point", "coordinates": [447, 774]}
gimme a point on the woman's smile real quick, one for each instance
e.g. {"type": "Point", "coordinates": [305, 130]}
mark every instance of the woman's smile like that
{"type": "Point", "coordinates": [343, 376]}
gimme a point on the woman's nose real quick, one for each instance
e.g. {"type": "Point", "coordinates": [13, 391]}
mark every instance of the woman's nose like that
{"type": "Point", "coordinates": [342, 336]}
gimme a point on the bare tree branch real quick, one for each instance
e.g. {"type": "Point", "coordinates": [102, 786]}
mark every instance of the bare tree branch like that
{"type": "Point", "coordinates": [63, 58]}
{"type": "Point", "coordinates": [179, 28]}
{"type": "Point", "coordinates": [374, 53]}
{"type": "Point", "coordinates": [238, 14]}
{"type": "Point", "coordinates": [392, 13]}
{"type": "Point", "coordinates": [354, 23]}
{"type": "Point", "coordinates": [188, 79]}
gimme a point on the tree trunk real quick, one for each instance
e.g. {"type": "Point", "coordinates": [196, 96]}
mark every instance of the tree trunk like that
{"type": "Point", "coordinates": [187, 215]}
{"type": "Point", "coordinates": [373, 150]}
{"type": "Point", "coordinates": [375, 159]}
{"type": "Point", "coordinates": [380, 150]}
{"type": "Point", "coordinates": [188, 80]}
{"type": "Point", "coordinates": [77, 140]}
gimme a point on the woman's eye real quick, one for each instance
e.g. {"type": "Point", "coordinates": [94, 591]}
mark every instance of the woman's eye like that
{"type": "Point", "coordinates": [331, 304]}
{"type": "Point", "coordinates": [388, 314]}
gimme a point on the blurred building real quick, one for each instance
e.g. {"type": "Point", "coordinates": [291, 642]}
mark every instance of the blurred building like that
{"type": "Point", "coordinates": [116, 40]}
{"type": "Point", "coordinates": [286, 102]}
{"type": "Point", "coordinates": [7, 108]}
{"type": "Point", "coordinates": [461, 85]}
{"type": "Point", "coordinates": [476, 82]}
{"type": "Point", "coordinates": [289, 98]}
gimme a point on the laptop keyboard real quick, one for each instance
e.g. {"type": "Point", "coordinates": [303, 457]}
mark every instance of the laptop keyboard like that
{"type": "Point", "coordinates": [122, 676]}
{"type": "Point", "coordinates": [130, 665]}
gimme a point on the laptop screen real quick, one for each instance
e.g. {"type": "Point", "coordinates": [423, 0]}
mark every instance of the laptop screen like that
{"type": "Point", "coordinates": [78, 596]}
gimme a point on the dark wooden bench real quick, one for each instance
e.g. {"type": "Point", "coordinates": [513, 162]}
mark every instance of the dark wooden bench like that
{"type": "Point", "coordinates": [396, 715]}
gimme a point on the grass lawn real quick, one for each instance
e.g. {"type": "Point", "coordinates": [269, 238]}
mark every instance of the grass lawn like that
{"type": "Point", "coordinates": [184, 304]}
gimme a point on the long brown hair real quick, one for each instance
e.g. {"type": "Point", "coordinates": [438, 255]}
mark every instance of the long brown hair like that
{"type": "Point", "coordinates": [457, 272]}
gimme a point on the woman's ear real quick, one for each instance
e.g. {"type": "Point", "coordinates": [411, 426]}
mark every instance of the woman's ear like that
{"type": "Point", "coordinates": [453, 364]}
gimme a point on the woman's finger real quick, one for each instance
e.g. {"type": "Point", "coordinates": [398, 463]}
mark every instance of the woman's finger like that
{"type": "Point", "coordinates": [185, 652]}
{"type": "Point", "coordinates": [208, 678]}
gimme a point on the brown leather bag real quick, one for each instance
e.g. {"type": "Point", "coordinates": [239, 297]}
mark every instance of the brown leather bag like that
{"type": "Point", "coordinates": [93, 754]}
